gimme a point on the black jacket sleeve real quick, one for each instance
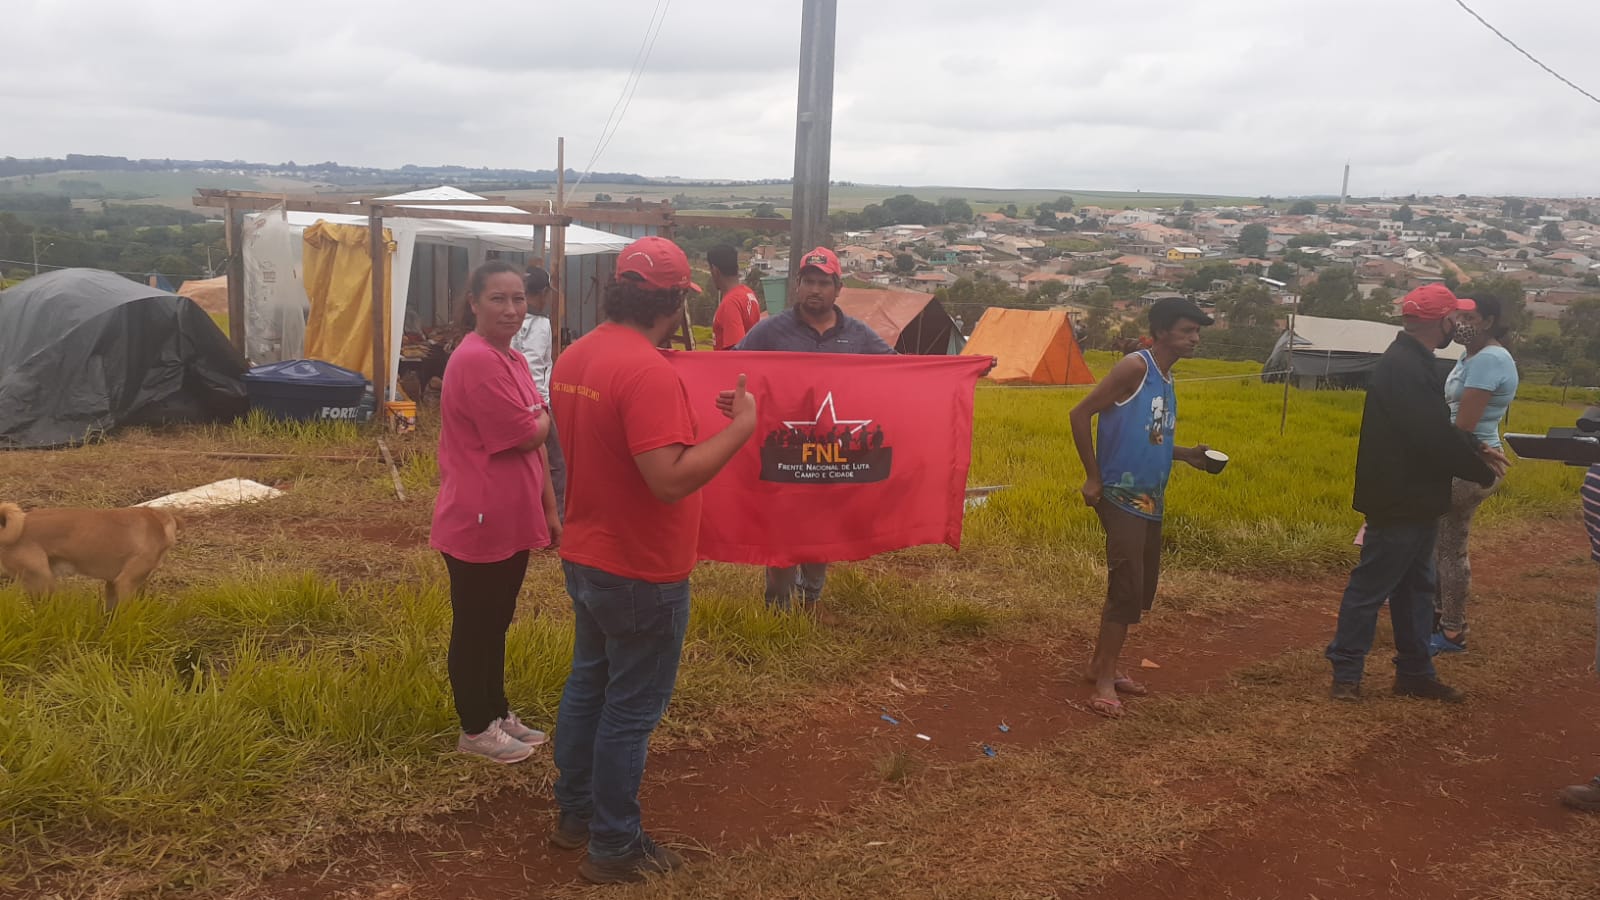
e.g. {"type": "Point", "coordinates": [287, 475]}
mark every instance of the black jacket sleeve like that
{"type": "Point", "coordinates": [1419, 401]}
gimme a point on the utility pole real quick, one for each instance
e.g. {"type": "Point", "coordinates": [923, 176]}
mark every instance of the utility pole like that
{"type": "Point", "coordinates": [47, 246]}
{"type": "Point", "coordinates": [813, 130]}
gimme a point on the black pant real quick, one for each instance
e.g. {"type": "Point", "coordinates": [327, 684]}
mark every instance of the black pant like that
{"type": "Point", "coordinates": [483, 597]}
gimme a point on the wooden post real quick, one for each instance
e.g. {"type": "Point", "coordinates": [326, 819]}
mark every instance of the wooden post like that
{"type": "Point", "coordinates": [1288, 375]}
{"type": "Point", "coordinates": [230, 233]}
{"type": "Point", "coordinates": [380, 333]}
{"type": "Point", "coordinates": [558, 252]}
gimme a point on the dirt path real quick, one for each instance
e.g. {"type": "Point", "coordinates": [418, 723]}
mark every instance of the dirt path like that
{"type": "Point", "coordinates": [1395, 830]}
{"type": "Point", "coordinates": [1386, 832]}
{"type": "Point", "coordinates": [732, 798]}
{"type": "Point", "coordinates": [1370, 837]}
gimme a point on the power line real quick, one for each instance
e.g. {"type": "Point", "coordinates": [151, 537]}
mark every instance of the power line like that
{"type": "Point", "coordinates": [652, 31]}
{"type": "Point", "coordinates": [1501, 35]}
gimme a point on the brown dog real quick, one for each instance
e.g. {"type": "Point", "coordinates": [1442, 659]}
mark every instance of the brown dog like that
{"type": "Point", "coordinates": [118, 546]}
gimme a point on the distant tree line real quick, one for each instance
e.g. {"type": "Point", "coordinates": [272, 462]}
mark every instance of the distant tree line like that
{"type": "Point", "coordinates": [323, 171]}
{"type": "Point", "coordinates": [129, 238]}
{"type": "Point", "coordinates": [903, 209]}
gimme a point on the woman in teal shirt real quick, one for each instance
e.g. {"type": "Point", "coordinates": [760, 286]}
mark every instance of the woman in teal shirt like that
{"type": "Point", "coordinates": [1480, 389]}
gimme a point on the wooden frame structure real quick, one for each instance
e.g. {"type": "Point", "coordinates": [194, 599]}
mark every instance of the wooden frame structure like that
{"type": "Point", "coordinates": [659, 218]}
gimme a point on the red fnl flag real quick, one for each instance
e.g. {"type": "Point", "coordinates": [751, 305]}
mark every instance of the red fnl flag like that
{"type": "Point", "coordinates": [853, 455]}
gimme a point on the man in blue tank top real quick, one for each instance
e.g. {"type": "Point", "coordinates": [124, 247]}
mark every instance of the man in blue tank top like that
{"type": "Point", "coordinates": [1127, 467]}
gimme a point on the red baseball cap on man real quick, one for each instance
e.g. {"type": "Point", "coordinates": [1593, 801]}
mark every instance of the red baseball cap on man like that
{"type": "Point", "coordinates": [657, 262]}
{"type": "Point", "coordinates": [1432, 301]}
{"type": "Point", "coordinates": [823, 260]}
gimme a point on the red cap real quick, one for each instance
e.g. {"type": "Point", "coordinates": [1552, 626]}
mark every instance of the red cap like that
{"type": "Point", "coordinates": [1432, 301]}
{"type": "Point", "coordinates": [658, 262]}
{"type": "Point", "coordinates": [823, 260]}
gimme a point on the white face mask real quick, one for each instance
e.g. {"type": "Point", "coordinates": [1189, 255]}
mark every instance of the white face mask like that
{"type": "Point", "coordinates": [1466, 334]}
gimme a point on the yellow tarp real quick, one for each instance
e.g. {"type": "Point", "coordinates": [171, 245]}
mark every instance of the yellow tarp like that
{"type": "Point", "coordinates": [337, 266]}
{"type": "Point", "coordinates": [1031, 346]}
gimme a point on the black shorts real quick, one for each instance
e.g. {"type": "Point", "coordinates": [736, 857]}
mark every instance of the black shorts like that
{"type": "Point", "coordinates": [1133, 562]}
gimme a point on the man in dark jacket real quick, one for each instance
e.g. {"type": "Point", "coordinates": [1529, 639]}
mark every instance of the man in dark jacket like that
{"type": "Point", "coordinates": [1408, 455]}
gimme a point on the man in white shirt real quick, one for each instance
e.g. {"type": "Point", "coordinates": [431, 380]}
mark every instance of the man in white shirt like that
{"type": "Point", "coordinates": [534, 342]}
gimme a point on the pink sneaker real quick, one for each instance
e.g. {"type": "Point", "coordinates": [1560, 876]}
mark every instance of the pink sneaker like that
{"type": "Point", "coordinates": [494, 744]}
{"type": "Point", "coordinates": [513, 726]}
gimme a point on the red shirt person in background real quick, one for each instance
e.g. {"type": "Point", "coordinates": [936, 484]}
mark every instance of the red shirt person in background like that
{"type": "Point", "coordinates": [495, 504]}
{"type": "Point", "coordinates": [634, 472]}
{"type": "Point", "coordinates": [739, 310]}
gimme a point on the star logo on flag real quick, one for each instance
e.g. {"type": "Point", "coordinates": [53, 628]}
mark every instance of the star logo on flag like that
{"type": "Point", "coordinates": [833, 418]}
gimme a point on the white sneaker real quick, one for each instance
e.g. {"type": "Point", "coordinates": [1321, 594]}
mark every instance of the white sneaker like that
{"type": "Point", "coordinates": [493, 743]}
{"type": "Point", "coordinates": [513, 726]}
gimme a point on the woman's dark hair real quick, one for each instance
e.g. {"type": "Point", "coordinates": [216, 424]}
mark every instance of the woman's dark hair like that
{"type": "Point", "coordinates": [482, 274]}
{"type": "Point", "coordinates": [629, 300]}
{"type": "Point", "coordinates": [1490, 308]}
{"type": "Point", "coordinates": [536, 281]}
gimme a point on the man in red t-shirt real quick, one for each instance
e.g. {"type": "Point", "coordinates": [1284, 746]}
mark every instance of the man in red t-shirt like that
{"type": "Point", "coordinates": [634, 472]}
{"type": "Point", "coordinates": [739, 310]}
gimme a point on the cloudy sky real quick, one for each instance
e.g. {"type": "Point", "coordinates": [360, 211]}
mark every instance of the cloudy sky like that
{"type": "Point", "coordinates": [1224, 96]}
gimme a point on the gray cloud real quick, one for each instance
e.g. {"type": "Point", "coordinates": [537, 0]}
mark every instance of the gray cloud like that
{"type": "Point", "coordinates": [1230, 96]}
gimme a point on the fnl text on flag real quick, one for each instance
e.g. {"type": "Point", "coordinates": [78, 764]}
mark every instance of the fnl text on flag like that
{"type": "Point", "coordinates": [853, 455]}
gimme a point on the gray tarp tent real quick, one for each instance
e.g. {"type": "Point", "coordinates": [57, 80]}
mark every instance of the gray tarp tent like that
{"type": "Point", "coordinates": [83, 351]}
{"type": "Point", "coordinates": [1338, 353]}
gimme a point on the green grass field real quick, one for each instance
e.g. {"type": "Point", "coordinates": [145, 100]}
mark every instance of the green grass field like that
{"type": "Point", "coordinates": [285, 684]}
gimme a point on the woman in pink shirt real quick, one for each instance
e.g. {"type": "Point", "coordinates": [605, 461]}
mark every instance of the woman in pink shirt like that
{"type": "Point", "coordinates": [495, 505]}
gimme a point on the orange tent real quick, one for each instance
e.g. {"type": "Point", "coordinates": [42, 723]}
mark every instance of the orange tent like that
{"type": "Point", "coordinates": [1032, 346]}
{"type": "Point", "coordinates": [210, 293]}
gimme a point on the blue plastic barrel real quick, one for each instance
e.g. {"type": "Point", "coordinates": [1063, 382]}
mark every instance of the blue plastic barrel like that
{"type": "Point", "coordinates": [306, 390]}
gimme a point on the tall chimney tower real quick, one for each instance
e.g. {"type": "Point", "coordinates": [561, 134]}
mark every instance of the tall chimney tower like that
{"type": "Point", "coordinates": [1344, 192]}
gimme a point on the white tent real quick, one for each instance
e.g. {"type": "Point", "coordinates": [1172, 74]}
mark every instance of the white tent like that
{"type": "Point", "coordinates": [275, 299]}
{"type": "Point", "coordinates": [1339, 352]}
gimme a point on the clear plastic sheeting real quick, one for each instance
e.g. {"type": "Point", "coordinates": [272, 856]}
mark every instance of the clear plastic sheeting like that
{"type": "Point", "coordinates": [275, 304]}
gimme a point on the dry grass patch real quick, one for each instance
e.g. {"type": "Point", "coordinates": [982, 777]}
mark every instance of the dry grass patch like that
{"type": "Point", "coordinates": [1541, 866]}
{"type": "Point", "coordinates": [1123, 796]}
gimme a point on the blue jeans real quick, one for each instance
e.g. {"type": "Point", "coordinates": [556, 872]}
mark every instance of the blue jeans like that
{"type": "Point", "coordinates": [626, 645]}
{"type": "Point", "coordinates": [558, 470]}
{"type": "Point", "coordinates": [805, 579]}
{"type": "Point", "coordinates": [1397, 564]}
